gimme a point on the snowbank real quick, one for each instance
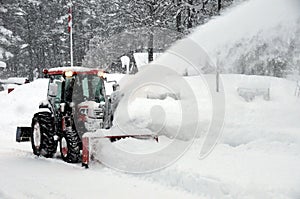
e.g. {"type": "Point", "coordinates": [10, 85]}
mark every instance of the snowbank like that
{"type": "Point", "coordinates": [141, 59]}
{"type": "Point", "coordinates": [19, 106]}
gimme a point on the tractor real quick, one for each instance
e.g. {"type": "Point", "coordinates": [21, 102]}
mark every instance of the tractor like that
{"type": "Point", "coordinates": [76, 103]}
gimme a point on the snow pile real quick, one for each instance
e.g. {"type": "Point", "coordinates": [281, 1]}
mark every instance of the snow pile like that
{"type": "Point", "coordinates": [273, 120]}
{"type": "Point", "coordinates": [19, 106]}
{"type": "Point", "coordinates": [254, 82]}
{"type": "Point", "coordinates": [111, 80]}
{"type": "Point", "coordinates": [141, 59]}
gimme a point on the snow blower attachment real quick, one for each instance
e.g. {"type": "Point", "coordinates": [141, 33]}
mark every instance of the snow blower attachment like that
{"type": "Point", "coordinates": [76, 104]}
{"type": "Point", "coordinates": [90, 139]}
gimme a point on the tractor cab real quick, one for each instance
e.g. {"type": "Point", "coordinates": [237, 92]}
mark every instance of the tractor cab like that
{"type": "Point", "coordinates": [80, 92]}
{"type": "Point", "coordinates": [74, 87]}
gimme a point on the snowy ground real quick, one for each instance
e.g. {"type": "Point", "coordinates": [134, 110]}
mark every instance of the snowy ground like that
{"type": "Point", "coordinates": [258, 155]}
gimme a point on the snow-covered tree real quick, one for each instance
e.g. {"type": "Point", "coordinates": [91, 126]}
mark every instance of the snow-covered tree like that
{"type": "Point", "coordinates": [38, 35]}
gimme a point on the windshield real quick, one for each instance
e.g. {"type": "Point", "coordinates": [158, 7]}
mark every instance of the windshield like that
{"type": "Point", "coordinates": [85, 88]}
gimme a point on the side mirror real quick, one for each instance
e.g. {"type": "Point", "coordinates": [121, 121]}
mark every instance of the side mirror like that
{"type": "Point", "coordinates": [53, 89]}
{"type": "Point", "coordinates": [116, 87]}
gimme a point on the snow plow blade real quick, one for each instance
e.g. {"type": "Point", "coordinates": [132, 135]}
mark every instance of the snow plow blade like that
{"type": "Point", "coordinates": [88, 138]}
{"type": "Point", "coordinates": [23, 134]}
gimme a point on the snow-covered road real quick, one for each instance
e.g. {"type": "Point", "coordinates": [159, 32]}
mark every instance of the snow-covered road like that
{"type": "Point", "coordinates": [25, 176]}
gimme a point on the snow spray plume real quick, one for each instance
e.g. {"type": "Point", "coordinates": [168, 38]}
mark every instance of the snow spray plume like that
{"type": "Point", "coordinates": [163, 80]}
{"type": "Point", "coordinates": [246, 38]}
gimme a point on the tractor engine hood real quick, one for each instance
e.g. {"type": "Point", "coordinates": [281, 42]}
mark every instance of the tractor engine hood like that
{"type": "Point", "coordinates": [91, 109]}
{"type": "Point", "coordinates": [91, 115]}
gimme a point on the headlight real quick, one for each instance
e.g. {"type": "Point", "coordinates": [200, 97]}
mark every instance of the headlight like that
{"type": "Point", "coordinates": [69, 73]}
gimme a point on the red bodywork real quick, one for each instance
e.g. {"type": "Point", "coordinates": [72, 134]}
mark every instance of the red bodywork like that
{"type": "Point", "coordinates": [9, 90]}
{"type": "Point", "coordinates": [82, 116]}
{"type": "Point", "coordinates": [76, 71]}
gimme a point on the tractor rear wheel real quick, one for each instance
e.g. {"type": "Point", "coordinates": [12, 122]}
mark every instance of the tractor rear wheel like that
{"type": "Point", "coordinates": [42, 136]}
{"type": "Point", "coordinates": [70, 147]}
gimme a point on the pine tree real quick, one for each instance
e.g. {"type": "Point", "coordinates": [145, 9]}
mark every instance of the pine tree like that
{"type": "Point", "coordinates": [40, 38]}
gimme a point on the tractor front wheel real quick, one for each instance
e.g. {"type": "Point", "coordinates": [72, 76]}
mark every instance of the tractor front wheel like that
{"type": "Point", "coordinates": [42, 136]}
{"type": "Point", "coordinates": [70, 147]}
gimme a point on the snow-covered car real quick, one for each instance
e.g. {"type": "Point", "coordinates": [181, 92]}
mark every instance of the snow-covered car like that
{"type": "Point", "coordinates": [16, 80]}
{"type": "Point", "coordinates": [11, 83]}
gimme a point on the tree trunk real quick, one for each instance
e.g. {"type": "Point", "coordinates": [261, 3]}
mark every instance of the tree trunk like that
{"type": "Point", "coordinates": [30, 46]}
{"type": "Point", "coordinates": [178, 17]}
{"type": "Point", "coordinates": [150, 45]}
{"type": "Point", "coordinates": [151, 34]}
{"type": "Point", "coordinates": [190, 15]}
{"type": "Point", "coordinates": [219, 5]}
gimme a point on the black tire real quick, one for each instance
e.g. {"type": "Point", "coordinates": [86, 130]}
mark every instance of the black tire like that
{"type": "Point", "coordinates": [70, 147]}
{"type": "Point", "coordinates": [42, 135]}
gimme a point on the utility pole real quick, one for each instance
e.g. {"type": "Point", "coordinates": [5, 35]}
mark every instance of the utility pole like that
{"type": "Point", "coordinates": [218, 62]}
{"type": "Point", "coordinates": [218, 77]}
{"type": "Point", "coordinates": [70, 29]}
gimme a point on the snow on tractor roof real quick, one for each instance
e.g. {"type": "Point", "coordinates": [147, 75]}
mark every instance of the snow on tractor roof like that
{"type": "Point", "coordinates": [75, 70]}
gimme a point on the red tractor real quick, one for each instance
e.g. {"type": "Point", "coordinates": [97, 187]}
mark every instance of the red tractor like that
{"type": "Point", "coordinates": [76, 103]}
